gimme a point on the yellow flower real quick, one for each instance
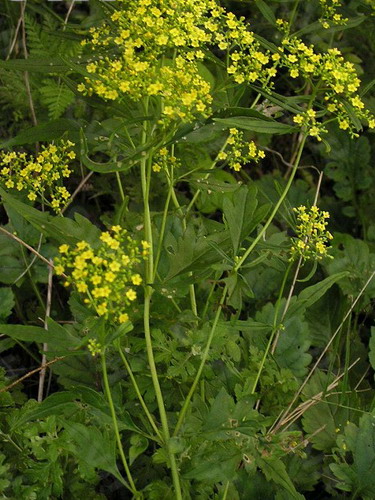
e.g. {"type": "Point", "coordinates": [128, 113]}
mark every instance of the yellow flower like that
{"type": "Point", "coordinates": [59, 269]}
{"type": "Point", "coordinates": [131, 295]}
{"type": "Point", "coordinates": [123, 317]}
{"type": "Point", "coordinates": [136, 279]}
{"type": "Point", "coordinates": [82, 287]}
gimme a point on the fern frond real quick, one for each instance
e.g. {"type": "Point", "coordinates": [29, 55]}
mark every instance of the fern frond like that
{"type": "Point", "coordinates": [56, 96]}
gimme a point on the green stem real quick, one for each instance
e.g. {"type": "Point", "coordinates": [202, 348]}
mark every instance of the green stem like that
{"type": "Point", "coordinates": [145, 180]}
{"type": "Point", "coordinates": [275, 328]}
{"type": "Point", "coordinates": [122, 194]}
{"type": "Point", "coordinates": [193, 300]}
{"type": "Point", "coordinates": [275, 210]}
{"type": "Point", "coordinates": [139, 395]}
{"type": "Point", "coordinates": [131, 486]}
{"type": "Point", "coordinates": [226, 491]}
{"type": "Point", "coordinates": [34, 287]}
{"type": "Point", "coordinates": [162, 231]}
{"type": "Point", "coordinates": [212, 166]}
{"type": "Point", "coordinates": [202, 364]}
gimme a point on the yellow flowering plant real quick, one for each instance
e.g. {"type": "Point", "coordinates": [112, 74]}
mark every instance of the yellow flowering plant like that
{"type": "Point", "coordinates": [105, 276]}
{"type": "Point", "coordinates": [187, 347]}
{"type": "Point", "coordinates": [312, 237]}
{"type": "Point", "coordinates": [40, 176]}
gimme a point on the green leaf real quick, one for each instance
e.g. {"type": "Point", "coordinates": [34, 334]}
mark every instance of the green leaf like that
{"type": "Point", "coordinates": [359, 475]}
{"type": "Point", "coordinates": [97, 449]}
{"type": "Point", "coordinates": [193, 254]}
{"type": "Point", "coordinates": [56, 336]}
{"type": "Point", "coordinates": [239, 213]}
{"type": "Point", "coordinates": [292, 347]}
{"type": "Point", "coordinates": [61, 229]}
{"type": "Point", "coordinates": [55, 404]}
{"type": "Point", "coordinates": [263, 126]}
{"type": "Point", "coordinates": [313, 293]}
{"type": "Point", "coordinates": [57, 97]}
{"type": "Point", "coordinates": [36, 65]}
{"type": "Point", "coordinates": [321, 420]}
{"type": "Point", "coordinates": [45, 132]}
{"type": "Point", "coordinates": [138, 445]}
{"type": "Point", "coordinates": [266, 11]}
{"type": "Point", "coordinates": [316, 26]}
{"type": "Point", "coordinates": [275, 471]}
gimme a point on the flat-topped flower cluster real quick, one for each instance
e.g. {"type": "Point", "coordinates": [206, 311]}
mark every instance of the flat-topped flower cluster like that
{"type": "Point", "coordinates": [106, 276]}
{"type": "Point", "coordinates": [40, 176]}
{"type": "Point", "coordinates": [312, 235]}
{"type": "Point", "coordinates": [155, 48]}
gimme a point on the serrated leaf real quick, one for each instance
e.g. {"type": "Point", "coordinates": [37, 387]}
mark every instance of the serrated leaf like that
{"type": "Point", "coordinates": [292, 347]}
{"type": "Point", "coordinates": [359, 475]}
{"type": "Point", "coordinates": [275, 471]}
{"type": "Point", "coordinates": [95, 448]}
{"type": "Point", "coordinates": [321, 420]}
{"type": "Point", "coordinates": [239, 214]}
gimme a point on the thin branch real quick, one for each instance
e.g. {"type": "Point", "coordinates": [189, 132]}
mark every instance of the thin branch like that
{"type": "Point", "coordinates": [78, 189]}
{"type": "Point", "coordinates": [327, 346]}
{"type": "Point", "coordinates": [16, 238]}
{"type": "Point", "coordinates": [30, 374]}
{"type": "Point", "coordinates": [26, 73]}
{"type": "Point", "coordinates": [42, 374]}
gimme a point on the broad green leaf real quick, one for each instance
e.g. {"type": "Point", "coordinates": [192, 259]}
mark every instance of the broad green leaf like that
{"type": "Point", "coordinates": [49, 131]}
{"type": "Point", "coordinates": [275, 471]}
{"type": "Point", "coordinates": [57, 337]}
{"type": "Point", "coordinates": [313, 293]}
{"type": "Point", "coordinates": [263, 126]}
{"type": "Point", "coordinates": [322, 419]}
{"type": "Point", "coordinates": [239, 213]}
{"type": "Point", "coordinates": [358, 475]}
{"type": "Point", "coordinates": [138, 445]}
{"type": "Point", "coordinates": [94, 447]}
{"type": "Point", "coordinates": [62, 229]}
{"type": "Point", "coordinates": [292, 346]}
{"type": "Point", "coordinates": [194, 254]}
{"type": "Point", "coordinates": [55, 404]}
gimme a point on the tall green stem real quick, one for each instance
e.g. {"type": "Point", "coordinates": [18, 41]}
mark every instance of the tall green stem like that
{"type": "Point", "coordinates": [107, 389]}
{"type": "Point", "coordinates": [145, 180]}
{"type": "Point", "coordinates": [138, 392]}
{"type": "Point", "coordinates": [202, 364]}
{"type": "Point", "coordinates": [276, 208]}
{"type": "Point", "coordinates": [275, 328]}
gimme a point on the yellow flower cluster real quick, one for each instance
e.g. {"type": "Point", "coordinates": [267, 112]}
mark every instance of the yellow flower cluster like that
{"type": "Point", "coordinates": [239, 151]}
{"type": "Point", "coordinates": [308, 121]}
{"type": "Point", "coordinates": [158, 46]}
{"type": "Point", "coordinates": [336, 77]}
{"type": "Point", "coordinates": [94, 347]}
{"type": "Point", "coordinates": [40, 176]}
{"type": "Point", "coordinates": [312, 234]}
{"type": "Point", "coordinates": [162, 160]}
{"type": "Point", "coordinates": [329, 13]}
{"type": "Point", "coordinates": [106, 275]}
